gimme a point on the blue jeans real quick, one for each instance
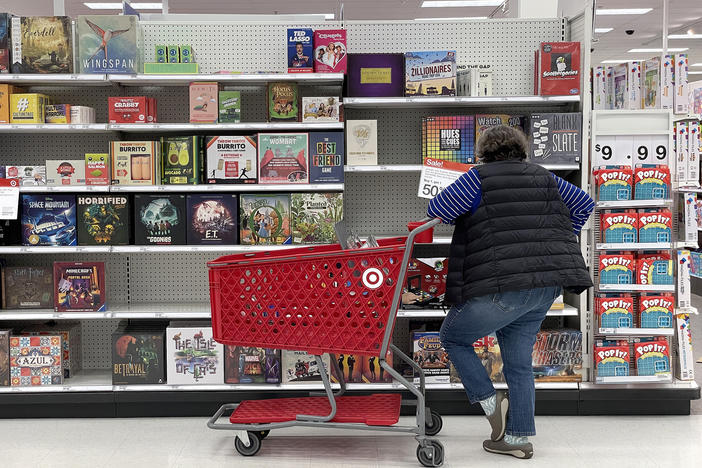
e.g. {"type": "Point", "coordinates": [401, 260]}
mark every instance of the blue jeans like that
{"type": "Point", "coordinates": [516, 318]}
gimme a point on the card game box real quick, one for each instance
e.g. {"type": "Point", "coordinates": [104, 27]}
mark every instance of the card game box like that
{"type": "Point", "coordinates": [65, 172]}
{"type": "Point", "coordinates": [103, 219]}
{"type": "Point", "coordinates": [314, 216]}
{"type": "Point", "coordinates": [655, 226]}
{"type": "Point", "coordinates": [35, 361]}
{"type": "Point", "coordinates": [633, 74]}
{"type": "Point", "coordinates": [48, 219]}
{"type": "Point", "coordinates": [430, 73]}
{"type": "Point", "coordinates": [212, 219]}
{"type": "Point", "coordinates": [6, 90]}
{"type": "Point", "coordinates": [651, 83]}
{"type": "Point", "coordinates": [685, 363]}
{"type": "Point", "coordinates": [372, 372]}
{"type": "Point", "coordinates": [79, 286]}
{"type": "Point", "coordinates": [108, 44]}
{"type": "Point", "coordinates": [654, 268]}
{"type": "Point", "coordinates": [362, 142]}
{"type": "Point", "coordinates": [426, 278]}
{"type": "Point", "coordinates": [181, 160]}
{"type": "Point", "coordinates": [27, 175]}
{"type": "Point", "coordinates": [138, 356]}
{"type": "Point", "coordinates": [57, 113]}
{"type": "Point", "coordinates": [192, 354]}
{"type": "Point", "coordinates": [617, 268]}
{"type": "Point", "coordinates": [485, 121]}
{"type": "Point", "coordinates": [651, 182]}
{"type": "Point", "coordinates": [321, 109]}
{"type": "Point", "coordinates": [599, 88]}
{"type": "Point", "coordinates": [82, 115]}
{"type": "Point", "coordinates": [71, 343]}
{"type": "Point", "coordinates": [615, 311]}
{"type": "Point", "coordinates": [134, 162]}
{"type": "Point", "coordinates": [555, 138]}
{"type": "Point", "coordinates": [300, 50]}
{"type": "Point", "coordinates": [621, 92]}
{"type": "Point", "coordinates": [330, 51]}
{"type": "Point", "coordinates": [231, 160]}
{"type": "Point", "coordinates": [97, 169]}
{"type": "Point", "coordinates": [557, 356]}
{"type": "Point", "coordinates": [612, 358]}
{"type": "Point", "coordinates": [5, 358]}
{"type": "Point", "coordinates": [680, 100]}
{"type": "Point", "coordinates": [265, 219]}
{"type": "Point", "coordinates": [326, 157]}
{"type": "Point", "coordinates": [204, 107]}
{"type": "Point", "coordinates": [283, 102]}
{"type": "Point", "coordinates": [558, 65]}
{"type": "Point", "coordinates": [250, 365]}
{"type": "Point", "coordinates": [229, 106]}
{"type": "Point", "coordinates": [5, 45]}
{"type": "Point", "coordinates": [375, 75]}
{"type": "Point", "coordinates": [283, 158]}
{"type": "Point", "coordinates": [301, 367]}
{"type": "Point", "coordinates": [619, 226]}
{"type": "Point", "coordinates": [160, 219]}
{"type": "Point", "coordinates": [130, 109]}
{"type": "Point", "coordinates": [431, 357]}
{"type": "Point", "coordinates": [614, 182]}
{"type": "Point", "coordinates": [42, 44]}
{"type": "Point", "coordinates": [351, 367]}
{"type": "Point", "coordinates": [451, 138]}
{"type": "Point", "coordinates": [667, 81]}
{"type": "Point", "coordinates": [27, 287]}
{"type": "Point", "coordinates": [652, 356]}
{"type": "Point", "coordinates": [656, 310]}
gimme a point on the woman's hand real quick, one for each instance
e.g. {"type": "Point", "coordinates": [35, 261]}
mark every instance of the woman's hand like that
{"type": "Point", "coordinates": [410, 298]}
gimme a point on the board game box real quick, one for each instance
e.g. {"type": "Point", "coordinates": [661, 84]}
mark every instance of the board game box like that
{"type": "Point", "coordinates": [330, 51]}
{"type": "Point", "coordinates": [651, 182]}
{"type": "Point", "coordinates": [651, 83]}
{"type": "Point", "coordinates": [134, 162]}
{"type": "Point", "coordinates": [655, 226]}
{"type": "Point", "coordinates": [617, 268]}
{"type": "Point", "coordinates": [431, 357]}
{"type": "Point", "coordinates": [283, 158]}
{"type": "Point", "coordinates": [28, 175]}
{"type": "Point", "coordinates": [326, 157]}
{"type": "Point", "coordinates": [10, 232]}
{"type": "Point", "coordinates": [71, 343]}
{"type": "Point", "coordinates": [138, 356]}
{"type": "Point", "coordinates": [558, 65]}
{"type": "Point", "coordinates": [681, 80]}
{"type": "Point", "coordinates": [97, 169]}
{"type": "Point", "coordinates": [65, 172]}
{"type": "Point", "coordinates": [204, 107]}
{"type": "Point", "coordinates": [557, 356]}
{"type": "Point", "coordinates": [451, 138]}
{"type": "Point", "coordinates": [160, 219]}
{"type": "Point", "coordinates": [249, 365]}
{"type": "Point", "coordinates": [42, 44]}
{"type": "Point", "coordinates": [28, 108]}
{"type": "Point", "coordinates": [612, 358]}
{"type": "Point", "coordinates": [108, 44]}
{"type": "Point", "coordinates": [620, 87]}
{"type": "Point", "coordinates": [27, 287]}
{"type": "Point", "coordinates": [371, 370]}
{"type": "Point", "coordinates": [48, 220]}
{"type": "Point", "coordinates": [652, 356]}
{"type": "Point", "coordinates": [35, 361]}
{"type": "Point", "coordinates": [300, 367]}
{"type": "Point", "coordinates": [619, 226]}
{"type": "Point", "coordinates": [555, 138]}
{"type": "Point", "coordinates": [321, 109]}
{"type": "Point", "coordinates": [5, 45]}
{"type": "Point", "coordinates": [300, 50]}
{"type": "Point", "coordinates": [351, 367]}
{"type": "Point", "coordinates": [614, 182]}
{"type": "Point", "coordinates": [633, 73]}
{"type": "Point", "coordinates": [485, 121]}
{"type": "Point", "coordinates": [5, 358]}
{"type": "Point", "coordinates": [656, 310]}
{"type": "Point", "coordinates": [430, 73]}
{"type": "Point", "coordinates": [192, 355]}
{"type": "Point", "coordinates": [314, 216]}
{"type": "Point", "coordinates": [57, 113]}
{"type": "Point", "coordinates": [488, 350]}
{"type": "Point", "coordinates": [212, 219]}
{"type": "Point", "coordinates": [375, 75]}
{"type": "Point", "coordinates": [283, 102]}
{"type": "Point", "coordinates": [615, 311]}
{"type": "Point", "coordinates": [79, 286]}
{"type": "Point", "coordinates": [426, 279]}
{"type": "Point", "coordinates": [103, 220]}
{"type": "Point", "coordinates": [362, 142]}
{"type": "Point", "coordinates": [181, 160]}
{"type": "Point", "coordinates": [265, 219]}
{"type": "Point", "coordinates": [232, 160]}
{"type": "Point", "coordinates": [229, 106]}
{"type": "Point", "coordinates": [654, 268]}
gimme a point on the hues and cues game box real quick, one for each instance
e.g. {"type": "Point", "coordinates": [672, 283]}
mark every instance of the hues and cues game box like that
{"type": "Point", "coordinates": [265, 219]}
{"type": "Point", "coordinates": [449, 137]}
{"type": "Point", "coordinates": [212, 219]}
{"type": "Point", "coordinates": [160, 219]}
{"type": "Point", "coordinates": [430, 73]}
{"type": "Point", "coordinates": [103, 220]}
{"type": "Point", "coordinates": [49, 220]}
{"type": "Point", "coordinates": [79, 286]}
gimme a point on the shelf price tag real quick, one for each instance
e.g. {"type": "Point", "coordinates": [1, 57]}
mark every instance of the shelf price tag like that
{"type": "Point", "coordinates": [9, 201]}
{"type": "Point", "coordinates": [438, 174]}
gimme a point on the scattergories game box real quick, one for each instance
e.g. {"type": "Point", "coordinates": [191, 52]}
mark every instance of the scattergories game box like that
{"type": "Point", "coordinates": [160, 219]}
{"type": "Point", "coordinates": [103, 220]}
{"type": "Point", "coordinates": [558, 68]}
{"type": "Point", "coordinates": [79, 286]}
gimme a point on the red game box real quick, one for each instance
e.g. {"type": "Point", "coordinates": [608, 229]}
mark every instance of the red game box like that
{"type": "Point", "coordinates": [647, 273]}
{"type": "Point", "coordinates": [131, 109]}
{"type": "Point", "coordinates": [656, 310]}
{"type": "Point", "coordinates": [614, 266]}
{"type": "Point", "coordinates": [619, 226]}
{"type": "Point", "coordinates": [330, 51]}
{"type": "Point", "coordinates": [559, 68]}
{"type": "Point", "coordinates": [652, 356]}
{"type": "Point", "coordinates": [426, 277]}
{"type": "Point", "coordinates": [610, 356]}
{"type": "Point", "coordinates": [614, 183]}
{"type": "Point", "coordinates": [615, 311]}
{"type": "Point", "coordinates": [651, 182]}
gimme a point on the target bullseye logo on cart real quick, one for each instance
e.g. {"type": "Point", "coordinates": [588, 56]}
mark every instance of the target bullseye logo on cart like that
{"type": "Point", "coordinates": [372, 278]}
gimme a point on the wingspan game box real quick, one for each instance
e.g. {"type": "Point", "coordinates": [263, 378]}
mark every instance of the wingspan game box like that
{"type": "Point", "coordinates": [108, 44]}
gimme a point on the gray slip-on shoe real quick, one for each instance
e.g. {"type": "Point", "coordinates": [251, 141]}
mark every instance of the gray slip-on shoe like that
{"type": "Point", "coordinates": [523, 451]}
{"type": "Point", "coordinates": [498, 419]}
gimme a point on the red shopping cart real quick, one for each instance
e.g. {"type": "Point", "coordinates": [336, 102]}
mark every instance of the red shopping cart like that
{"type": "Point", "coordinates": [320, 299]}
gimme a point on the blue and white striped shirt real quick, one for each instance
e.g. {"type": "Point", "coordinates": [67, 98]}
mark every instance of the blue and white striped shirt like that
{"type": "Point", "coordinates": [464, 195]}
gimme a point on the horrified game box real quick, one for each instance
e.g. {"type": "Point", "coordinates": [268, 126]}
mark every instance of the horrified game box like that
{"type": "Point", "coordinates": [79, 286]}
{"type": "Point", "coordinates": [103, 220]}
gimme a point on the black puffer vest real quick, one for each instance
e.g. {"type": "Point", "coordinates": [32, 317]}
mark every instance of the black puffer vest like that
{"type": "Point", "coordinates": [519, 237]}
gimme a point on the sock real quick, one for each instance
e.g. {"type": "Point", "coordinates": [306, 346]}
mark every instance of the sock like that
{"type": "Point", "coordinates": [515, 440]}
{"type": "Point", "coordinates": [489, 405]}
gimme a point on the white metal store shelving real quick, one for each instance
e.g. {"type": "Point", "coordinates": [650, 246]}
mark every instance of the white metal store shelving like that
{"type": "Point", "coordinates": [456, 101]}
{"type": "Point", "coordinates": [224, 127]}
{"type": "Point", "coordinates": [53, 79]}
{"type": "Point", "coordinates": [54, 128]}
{"type": "Point", "coordinates": [635, 246]}
{"type": "Point", "coordinates": [244, 188]}
{"type": "Point", "coordinates": [46, 249]}
{"type": "Point", "coordinates": [636, 379]}
{"type": "Point", "coordinates": [418, 168]}
{"type": "Point", "coordinates": [637, 287]}
{"type": "Point", "coordinates": [636, 331]}
{"type": "Point", "coordinates": [634, 203]}
{"type": "Point", "coordinates": [228, 78]}
{"type": "Point", "coordinates": [64, 188]}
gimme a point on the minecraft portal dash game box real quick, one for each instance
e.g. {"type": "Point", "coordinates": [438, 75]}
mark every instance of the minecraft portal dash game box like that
{"type": "Point", "coordinates": [656, 310]}
{"type": "Point", "coordinates": [79, 286]}
{"type": "Point", "coordinates": [614, 183]}
{"type": "Point", "coordinates": [612, 358]}
{"type": "Point", "coordinates": [615, 311]}
{"type": "Point", "coordinates": [651, 182]}
{"type": "Point", "coordinates": [617, 268]}
{"type": "Point", "coordinates": [619, 226]}
{"type": "Point", "coordinates": [654, 268]}
{"type": "Point", "coordinates": [655, 226]}
{"type": "Point", "coordinates": [652, 356]}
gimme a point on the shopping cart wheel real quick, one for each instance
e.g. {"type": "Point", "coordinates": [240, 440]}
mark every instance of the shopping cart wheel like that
{"type": "Point", "coordinates": [436, 424]}
{"type": "Point", "coordinates": [264, 434]}
{"type": "Point", "coordinates": [429, 457]}
{"type": "Point", "coordinates": [251, 449]}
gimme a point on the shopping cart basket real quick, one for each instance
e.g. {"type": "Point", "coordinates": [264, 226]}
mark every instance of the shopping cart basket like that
{"type": "Point", "coordinates": [320, 299]}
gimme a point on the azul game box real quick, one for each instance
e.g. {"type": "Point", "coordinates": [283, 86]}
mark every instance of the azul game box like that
{"type": "Point", "coordinates": [652, 356]}
{"type": "Point", "coordinates": [27, 287]}
{"type": "Point", "coordinates": [231, 160]}
{"type": "Point", "coordinates": [557, 356]}
{"type": "Point", "coordinates": [300, 367]}
{"type": "Point", "coordinates": [79, 286]}
{"type": "Point", "coordinates": [612, 358]}
{"type": "Point", "coordinates": [656, 310]}
{"type": "Point", "coordinates": [42, 44]}
{"type": "Point", "coordinates": [283, 158]}
{"type": "Point", "coordinates": [160, 219]}
{"type": "Point", "coordinates": [283, 102]}
{"type": "Point", "coordinates": [35, 361]}
{"type": "Point", "coordinates": [375, 75]}
{"type": "Point", "coordinates": [430, 73]}
{"type": "Point", "coordinates": [248, 365]}
{"type": "Point", "coordinates": [617, 268]}
{"type": "Point", "coordinates": [372, 372]}
{"type": "Point", "coordinates": [654, 268]}
{"type": "Point", "coordinates": [108, 44]}
{"type": "Point", "coordinates": [314, 216]}
{"type": "Point", "coordinates": [558, 67]}
{"type": "Point", "coordinates": [326, 157]}
{"type": "Point", "coordinates": [204, 107]}
{"type": "Point", "coordinates": [97, 169]}
{"type": "Point", "coordinates": [615, 311]}
{"type": "Point", "coordinates": [362, 142]}
{"type": "Point", "coordinates": [265, 219]}
{"type": "Point", "coordinates": [555, 138]}
{"type": "Point", "coordinates": [134, 162]}
{"type": "Point", "coordinates": [229, 106]}
{"type": "Point", "coordinates": [65, 172]}
{"type": "Point", "coordinates": [103, 219]}
{"type": "Point", "coordinates": [655, 226]}
{"type": "Point", "coordinates": [181, 160]}
{"type": "Point", "coordinates": [619, 226]}
{"type": "Point", "coordinates": [431, 357]}
{"type": "Point", "coordinates": [426, 279]}
{"type": "Point", "coordinates": [71, 343]}
{"type": "Point", "coordinates": [450, 138]}
{"type": "Point", "coordinates": [49, 220]}
{"type": "Point", "coordinates": [330, 51]}
{"type": "Point", "coordinates": [485, 121]}
{"type": "Point", "coordinates": [212, 219]}
{"type": "Point", "coordinates": [614, 183]}
{"type": "Point", "coordinates": [300, 50]}
{"type": "Point", "coordinates": [138, 356]}
{"type": "Point", "coordinates": [321, 109]}
{"type": "Point", "coordinates": [192, 355]}
{"type": "Point", "coordinates": [5, 358]}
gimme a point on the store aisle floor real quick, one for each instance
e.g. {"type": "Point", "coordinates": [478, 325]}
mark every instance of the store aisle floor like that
{"type": "Point", "coordinates": [572, 442]}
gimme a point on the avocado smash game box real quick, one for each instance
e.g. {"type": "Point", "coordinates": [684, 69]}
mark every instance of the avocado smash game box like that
{"type": "Point", "coordinates": [612, 358]}
{"type": "Point", "coordinates": [614, 183]}
{"type": "Point", "coordinates": [615, 311]}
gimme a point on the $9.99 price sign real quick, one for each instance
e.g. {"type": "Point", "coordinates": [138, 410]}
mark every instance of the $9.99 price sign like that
{"type": "Point", "coordinates": [630, 150]}
{"type": "Point", "coordinates": [438, 174]}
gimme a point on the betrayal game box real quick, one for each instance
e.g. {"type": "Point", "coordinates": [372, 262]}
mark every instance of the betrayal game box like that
{"type": "Point", "coordinates": [137, 356]}
{"type": "Point", "coordinates": [160, 219]}
{"type": "Point", "coordinates": [42, 44]}
{"type": "Point", "coordinates": [375, 75]}
{"type": "Point", "coordinates": [314, 216]}
{"type": "Point", "coordinates": [283, 158]}
{"type": "Point", "coordinates": [108, 44]}
{"type": "Point", "coordinates": [49, 220]}
{"type": "Point", "coordinates": [430, 73]}
{"type": "Point", "coordinates": [192, 355]}
{"type": "Point", "coordinates": [231, 160]}
{"type": "Point", "coordinates": [212, 219]}
{"type": "Point", "coordinates": [27, 287]}
{"type": "Point", "coordinates": [35, 361]}
{"type": "Point", "coordinates": [250, 365]}
{"type": "Point", "coordinates": [326, 157]}
{"type": "Point", "coordinates": [79, 286]}
{"type": "Point", "coordinates": [103, 220]}
{"type": "Point", "coordinates": [264, 219]}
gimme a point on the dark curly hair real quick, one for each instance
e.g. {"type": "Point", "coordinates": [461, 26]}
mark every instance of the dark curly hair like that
{"type": "Point", "coordinates": [502, 143]}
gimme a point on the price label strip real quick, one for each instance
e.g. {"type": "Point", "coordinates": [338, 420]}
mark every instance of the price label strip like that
{"type": "Point", "coordinates": [438, 174]}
